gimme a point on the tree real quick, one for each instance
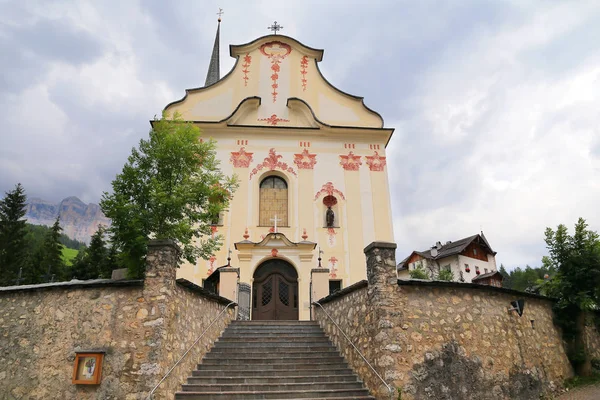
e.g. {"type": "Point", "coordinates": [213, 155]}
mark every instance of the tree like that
{"type": "Point", "coordinates": [52, 266]}
{"type": "Point", "coordinates": [419, 273]}
{"type": "Point", "coordinates": [576, 285]}
{"type": "Point", "coordinates": [12, 235]}
{"type": "Point", "coordinates": [169, 188]}
{"type": "Point", "coordinates": [445, 275]}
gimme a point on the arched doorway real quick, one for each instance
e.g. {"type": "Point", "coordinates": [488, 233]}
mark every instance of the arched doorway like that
{"type": "Point", "coordinates": [275, 291]}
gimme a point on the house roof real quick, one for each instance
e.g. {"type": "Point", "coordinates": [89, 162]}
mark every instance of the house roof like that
{"type": "Point", "coordinates": [450, 249]}
{"type": "Point", "coordinates": [488, 275]}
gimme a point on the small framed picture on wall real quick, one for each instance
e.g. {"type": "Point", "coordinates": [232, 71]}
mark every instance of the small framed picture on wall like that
{"type": "Point", "coordinates": [88, 368]}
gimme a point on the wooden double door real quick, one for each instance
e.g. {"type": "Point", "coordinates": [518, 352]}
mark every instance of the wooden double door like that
{"type": "Point", "coordinates": [275, 291]}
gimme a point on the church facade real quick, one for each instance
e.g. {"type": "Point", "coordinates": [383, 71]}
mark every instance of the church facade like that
{"type": "Point", "coordinates": [311, 165]}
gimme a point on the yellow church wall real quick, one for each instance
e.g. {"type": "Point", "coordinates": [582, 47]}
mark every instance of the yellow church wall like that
{"type": "Point", "coordinates": [319, 136]}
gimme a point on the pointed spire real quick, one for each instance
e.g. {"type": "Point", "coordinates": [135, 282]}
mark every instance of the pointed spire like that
{"type": "Point", "coordinates": [213, 74]}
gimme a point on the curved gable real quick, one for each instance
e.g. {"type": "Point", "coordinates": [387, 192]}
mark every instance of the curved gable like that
{"type": "Point", "coordinates": [275, 68]}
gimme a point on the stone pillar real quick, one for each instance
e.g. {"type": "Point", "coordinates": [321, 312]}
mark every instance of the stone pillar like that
{"type": "Point", "coordinates": [155, 313]}
{"type": "Point", "coordinates": [161, 262]}
{"type": "Point", "coordinates": [381, 265]}
{"type": "Point", "coordinates": [228, 286]}
{"type": "Point", "coordinates": [320, 283]}
{"type": "Point", "coordinates": [383, 303]}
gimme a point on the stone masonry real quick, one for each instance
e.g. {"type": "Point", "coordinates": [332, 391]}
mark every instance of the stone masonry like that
{"type": "Point", "coordinates": [446, 340]}
{"type": "Point", "coordinates": [143, 326]}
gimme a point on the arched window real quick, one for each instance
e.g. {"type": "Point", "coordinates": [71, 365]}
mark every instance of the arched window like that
{"type": "Point", "coordinates": [273, 201]}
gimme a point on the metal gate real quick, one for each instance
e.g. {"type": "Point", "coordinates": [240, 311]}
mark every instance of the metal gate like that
{"type": "Point", "coordinates": [243, 302]}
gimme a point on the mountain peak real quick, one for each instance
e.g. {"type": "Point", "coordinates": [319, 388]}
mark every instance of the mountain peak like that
{"type": "Point", "coordinates": [78, 220]}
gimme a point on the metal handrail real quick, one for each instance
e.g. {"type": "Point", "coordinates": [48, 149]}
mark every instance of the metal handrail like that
{"type": "Point", "coordinates": [188, 350]}
{"type": "Point", "coordinates": [358, 351]}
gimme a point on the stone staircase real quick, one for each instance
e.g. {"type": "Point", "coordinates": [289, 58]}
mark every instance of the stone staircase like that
{"type": "Point", "coordinates": [273, 360]}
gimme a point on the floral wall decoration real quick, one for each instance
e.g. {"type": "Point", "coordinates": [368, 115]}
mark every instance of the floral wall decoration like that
{"type": "Point", "coordinates": [211, 265]}
{"type": "Point", "coordinates": [330, 190]}
{"type": "Point", "coordinates": [331, 233]}
{"type": "Point", "coordinates": [350, 162]}
{"type": "Point", "coordinates": [332, 268]}
{"type": "Point", "coordinates": [241, 159]}
{"type": "Point", "coordinates": [305, 160]}
{"type": "Point", "coordinates": [304, 71]}
{"type": "Point", "coordinates": [273, 120]}
{"type": "Point", "coordinates": [271, 162]}
{"type": "Point", "coordinates": [246, 68]}
{"type": "Point", "coordinates": [276, 52]}
{"type": "Point", "coordinates": [376, 162]}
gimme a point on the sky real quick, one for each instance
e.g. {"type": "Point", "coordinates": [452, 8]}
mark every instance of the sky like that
{"type": "Point", "coordinates": [496, 104]}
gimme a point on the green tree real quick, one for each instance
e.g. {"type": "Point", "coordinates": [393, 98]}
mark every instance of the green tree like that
{"type": "Point", "coordinates": [506, 281]}
{"type": "Point", "coordinates": [419, 272]}
{"type": "Point", "coordinates": [169, 188]}
{"type": "Point", "coordinates": [52, 266]}
{"type": "Point", "coordinates": [12, 235]}
{"type": "Point", "coordinates": [445, 275]}
{"type": "Point", "coordinates": [576, 285]}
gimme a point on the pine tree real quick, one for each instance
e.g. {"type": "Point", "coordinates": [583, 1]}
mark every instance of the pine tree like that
{"type": "Point", "coordinates": [52, 265]}
{"type": "Point", "coordinates": [12, 235]}
{"type": "Point", "coordinates": [97, 254]}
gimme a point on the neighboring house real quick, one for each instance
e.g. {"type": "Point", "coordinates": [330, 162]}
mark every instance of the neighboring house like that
{"type": "Point", "coordinates": [470, 259]}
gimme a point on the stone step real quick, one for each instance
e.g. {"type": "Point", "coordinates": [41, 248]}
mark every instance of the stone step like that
{"type": "Point", "coordinates": [273, 339]}
{"type": "Point", "coordinates": [270, 387]}
{"type": "Point", "coordinates": [232, 350]}
{"type": "Point", "coordinates": [269, 379]}
{"type": "Point", "coordinates": [273, 360]}
{"type": "Point", "coordinates": [273, 323]}
{"type": "Point", "coordinates": [271, 333]}
{"type": "Point", "coordinates": [270, 365]}
{"type": "Point", "coordinates": [272, 355]}
{"type": "Point", "coordinates": [258, 372]}
{"type": "Point", "coordinates": [307, 394]}
{"type": "Point", "coordinates": [271, 345]}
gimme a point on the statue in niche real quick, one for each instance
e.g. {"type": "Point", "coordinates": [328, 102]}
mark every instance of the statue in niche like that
{"type": "Point", "coordinates": [329, 217]}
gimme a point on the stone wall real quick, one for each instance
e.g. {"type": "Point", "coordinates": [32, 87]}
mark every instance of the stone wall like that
{"type": "Point", "coordinates": [143, 326]}
{"type": "Point", "coordinates": [592, 335]}
{"type": "Point", "coordinates": [349, 309]}
{"type": "Point", "coordinates": [447, 340]}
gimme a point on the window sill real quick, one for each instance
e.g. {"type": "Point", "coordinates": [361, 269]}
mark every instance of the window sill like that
{"type": "Point", "coordinates": [271, 226]}
{"type": "Point", "coordinates": [332, 227]}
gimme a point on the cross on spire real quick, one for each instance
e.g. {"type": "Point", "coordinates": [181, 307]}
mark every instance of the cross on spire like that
{"type": "Point", "coordinates": [275, 27]}
{"type": "Point", "coordinates": [221, 12]}
{"type": "Point", "coordinates": [275, 220]}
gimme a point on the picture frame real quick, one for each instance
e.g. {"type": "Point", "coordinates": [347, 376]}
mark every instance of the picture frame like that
{"type": "Point", "coordinates": [87, 368]}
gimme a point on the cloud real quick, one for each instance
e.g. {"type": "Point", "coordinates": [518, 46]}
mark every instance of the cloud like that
{"type": "Point", "coordinates": [494, 104]}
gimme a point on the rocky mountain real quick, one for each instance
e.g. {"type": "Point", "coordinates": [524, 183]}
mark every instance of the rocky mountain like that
{"type": "Point", "coordinates": [78, 220]}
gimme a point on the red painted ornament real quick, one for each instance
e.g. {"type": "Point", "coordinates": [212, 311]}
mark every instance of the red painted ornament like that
{"type": "Point", "coordinates": [272, 162]}
{"type": "Point", "coordinates": [304, 71]}
{"type": "Point", "coordinates": [376, 162]}
{"type": "Point", "coordinates": [274, 252]}
{"type": "Point", "coordinates": [304, 235]}
{"type": "Point", "coordinates": [246, 68]}
{"type": "Point", "coordinates": [329, 189]}
{"type": "Point", "coordinates": [274, 120]}
{"type": "Point", "coordinates": [241, 159]}
{"type": "Point", "coordinates": [246, 236]}
{"type": "Point", "coordinates": [276, 52]}
{"type": "Point", "coordinates": [350, 162]}
{"type": "Point", "coordinates": [305, 160]}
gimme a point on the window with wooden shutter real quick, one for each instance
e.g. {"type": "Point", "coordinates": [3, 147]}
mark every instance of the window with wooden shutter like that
{"type": "Point", "coordinates": [273, 201]}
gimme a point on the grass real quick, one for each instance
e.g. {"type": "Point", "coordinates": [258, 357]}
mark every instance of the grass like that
{"type": "Point", "coordinates": [68, 255]}
{"type": "Point", "coordinates": [579, 381]}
